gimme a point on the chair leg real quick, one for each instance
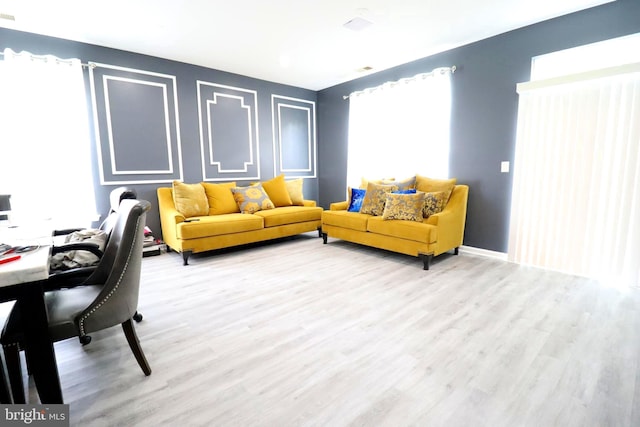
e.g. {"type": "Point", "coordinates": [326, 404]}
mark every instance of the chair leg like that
{"type": "Point", "coordinates": [14, 371]}
{"type": "Point", "coordinates": [134, 344]}
{"type": "Point", "coordinates": [5, 395]}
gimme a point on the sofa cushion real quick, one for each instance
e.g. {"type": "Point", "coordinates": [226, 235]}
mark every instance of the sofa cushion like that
{"type": "Point", "coordinates": [406, 207]}
{"type": "Point", "coordinates": [433, 203]}
{"type": "Point", "coordinates": [353, 220]}
{"type": "Point", "coordinates": [216, 225]}
{"type": "Point", "coordinates": [190, 199]}
{"type": "Point", "coordinates": [277, 191]}
{"type": "Point", "coordinates": [289, 215]}
{"type": "Point", "coordinates": [294, 187]}
{"type": "Point", "coordinates": [373, 203]}
{"type": "Point", "coordinates": [251, 199]}
{"type": "Point", "coordinates": [410, 230]}
{"type": "Point", "coordinates": [220, 198]}
{"type": "Point", "coordinates": [356, 196]}
{"type": "Point", "coordinates": [431, 185]}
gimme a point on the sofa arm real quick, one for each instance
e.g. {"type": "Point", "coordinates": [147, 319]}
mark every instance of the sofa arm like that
{"type": "Point", "coordinates": [339, 206]}
{"type": "Point", "coordinates": [169, 216]}
{"type": "Point", "coordinates": [309, 203]}
{"type": "Point", "coordinates": [451, 220]}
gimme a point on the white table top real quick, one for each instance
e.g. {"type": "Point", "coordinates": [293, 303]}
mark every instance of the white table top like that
{"type": "Point", "coordinates": [32, 266]}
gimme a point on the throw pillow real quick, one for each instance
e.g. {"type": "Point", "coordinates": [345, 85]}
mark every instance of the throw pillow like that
{"type": "Point", "coordinates": [430, 185]}
{"type": "Point", "coordinates": [374, 198]}
{"type": "Point", "coordinates": [405, 184]}
{"type": "Point", "coordinates": [252, 199]}
{"type": "Point", "coordinates": [355, 199]}
{"type": "Point", "coordinates": [407, 207]}
{"type": "Point", "coordinates": [294, 188]}
{"type": "Point", "coordinates": [220, 198]}
{"type": "Point", "coordinates": [277, 191]}
{"type": "Point", "coordinates": [364, 182]}
{"type": "Point", "coordinates": [434, 203]}
{"type": "Point", "coordinates": [190, 199]}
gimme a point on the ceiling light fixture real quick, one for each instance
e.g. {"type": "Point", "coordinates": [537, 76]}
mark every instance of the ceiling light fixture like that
{"type": "Point", "coordinates": [358, 24]}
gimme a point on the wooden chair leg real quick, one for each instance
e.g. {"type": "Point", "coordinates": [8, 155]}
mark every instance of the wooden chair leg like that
{"type": "Point", "coordinates": [14, 371]}
{"type": "Point", "coordinates": [134, 344]}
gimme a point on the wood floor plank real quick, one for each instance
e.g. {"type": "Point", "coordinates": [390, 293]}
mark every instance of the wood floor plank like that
{"type": "Point", "coordinates": [298, 333]}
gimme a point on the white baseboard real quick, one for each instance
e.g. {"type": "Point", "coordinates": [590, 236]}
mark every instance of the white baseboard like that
{"type": "Point", "coordinates": [484, 252]}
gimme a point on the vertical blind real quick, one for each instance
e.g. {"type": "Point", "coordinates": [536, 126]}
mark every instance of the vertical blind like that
{"type": "Point", "coordinates": [576, 190]}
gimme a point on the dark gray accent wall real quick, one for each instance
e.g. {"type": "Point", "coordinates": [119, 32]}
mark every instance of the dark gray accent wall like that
{"type": "Point", "coordinates": [141, 145]}
{"type": "Point", "coordinates": [484, 110]}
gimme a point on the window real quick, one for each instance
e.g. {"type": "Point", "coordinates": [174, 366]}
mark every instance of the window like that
{"type": "Point", "coordinates": [399, 129]}
{"type": "Point", "coordinates": [44, 129]}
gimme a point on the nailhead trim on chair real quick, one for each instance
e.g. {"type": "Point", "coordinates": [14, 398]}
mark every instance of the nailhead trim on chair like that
{"type": "Point", "coordinates": [115, 288]}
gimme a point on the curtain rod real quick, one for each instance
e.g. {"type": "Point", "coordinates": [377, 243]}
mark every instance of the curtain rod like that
{"type": "Point", "coordinates": [46, 58]}
{"type": "Point", "coordinates": [441, 70]}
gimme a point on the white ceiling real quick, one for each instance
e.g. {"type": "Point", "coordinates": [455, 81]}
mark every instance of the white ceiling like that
{"type": "Point", "coordinates": [297, 42]}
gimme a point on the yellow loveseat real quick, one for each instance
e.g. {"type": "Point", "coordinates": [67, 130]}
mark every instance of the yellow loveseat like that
{"type": "Point", "coordinates": [429, 237]}
{"type": "Point", "coordinates": [223, 227]}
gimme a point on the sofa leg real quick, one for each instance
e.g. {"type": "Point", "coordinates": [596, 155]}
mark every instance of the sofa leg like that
{"type": "Point", "coordinates": [426, 260]}
{"type": "Point", "coordinates": [185, 257]}
{"type": "Point", "coordinates": [324, 238]}
{"type": "Point", "coordinates": [455, 251]}
{"type": "Point", "coordinates": [319, 231]}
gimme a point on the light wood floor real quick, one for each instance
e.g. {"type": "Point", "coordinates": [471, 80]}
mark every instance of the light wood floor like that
{"type": "Point", "coordinates": [298, 333]}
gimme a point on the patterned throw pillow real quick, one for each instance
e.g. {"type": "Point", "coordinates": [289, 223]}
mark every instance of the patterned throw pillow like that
{"type": "Point", "coordinates": [190, 199]}
{"type": "Point", "coordinates": [355, 202]}
{"type": "Point", "coordinates": [431, 185]}
{"type": "Point", "coordinates": [405, 184]}
{"type": "Point", "coordinates": [407, 207]}
{"type": "Point", "coordinates": [252, 199]}
{"type": "Point", "coordinates": [294, 187]}
{"type": "Point", "coordinates": [434, 203]}
{"type": "Point", "coordinates": [374, 198]}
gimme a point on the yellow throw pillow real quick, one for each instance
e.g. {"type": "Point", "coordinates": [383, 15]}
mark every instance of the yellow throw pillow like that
{"type": "Point", "coordinates": [220, 198]}
{"type": "Point", "coordinates": [374, 198]}
{"type": "Point", "coordinates": [190, 199]}
{"type": "Point", "coordinates": [407, 207]}
{"type": "Point", "coordinates": [430, 185]}
{"type": "Point", "coordinates": [294, 188]}
{"type": "Point", "coordinates": [251, 199]}
{"type": "Point", "coordinates": [433, 203]}
{"type": "Point", "coordinates": [277, 191]}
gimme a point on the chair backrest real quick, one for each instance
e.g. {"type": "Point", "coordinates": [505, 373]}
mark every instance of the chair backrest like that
{"type": "Point", "coordinates": [116, 196]}
{"type": "Point", "coordinates": [118, 271]}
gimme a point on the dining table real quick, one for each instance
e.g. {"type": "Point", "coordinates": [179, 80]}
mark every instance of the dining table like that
{"type": "Point", "coordinates": [22, 280]}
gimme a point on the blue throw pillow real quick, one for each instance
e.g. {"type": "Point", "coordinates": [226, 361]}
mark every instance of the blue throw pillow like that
{"type": "Point", "coordinates": [357, 196]}
{"type": "Point", "coordinates": [410, 191]}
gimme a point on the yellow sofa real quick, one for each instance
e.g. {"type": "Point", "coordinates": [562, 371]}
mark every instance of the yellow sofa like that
{"type": "Point", "coordinates": [208, 232]}
{"type": "Point", "coordinates": [439, 233]}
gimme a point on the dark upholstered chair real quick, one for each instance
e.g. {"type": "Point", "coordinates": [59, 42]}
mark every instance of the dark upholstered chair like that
{"type": "Point", "coordinates": [78, 274]}
{"type": "Point", "coordinates": [108, 297]}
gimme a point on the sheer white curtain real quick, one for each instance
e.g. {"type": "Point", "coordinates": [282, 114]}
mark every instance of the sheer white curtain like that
{"type": "Point", "coordinates": [401, 128]}
{"type": "Point", "coordinates": [45, 163]}
{"type": "Point", "coordinates": [576, 190]}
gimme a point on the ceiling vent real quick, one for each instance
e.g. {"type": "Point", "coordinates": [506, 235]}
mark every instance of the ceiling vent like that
{"type": "Point", "coordinates": [7, 17]}
{"type": "Point", "coordinates": [358, 24]}
{"type": "Point", "coordinates": [363, 69]}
